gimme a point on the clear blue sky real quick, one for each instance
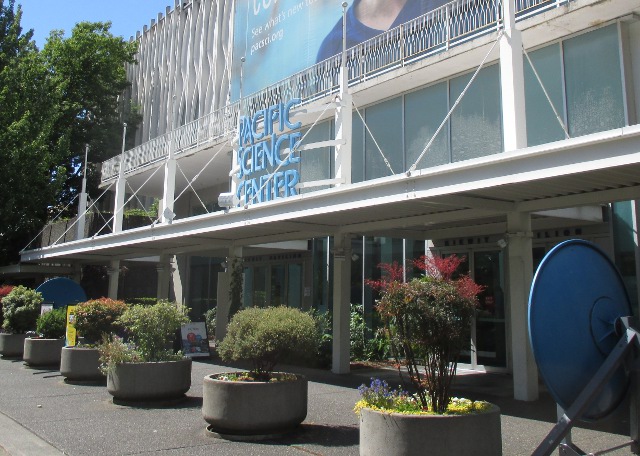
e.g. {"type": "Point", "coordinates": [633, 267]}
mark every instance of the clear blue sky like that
{"type": "Point", "coordinates": [127, 16]}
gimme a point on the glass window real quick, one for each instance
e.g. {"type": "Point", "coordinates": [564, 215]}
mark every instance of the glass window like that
{"type": "Point", "coordinates": [424, 111]}
{"type": "Point", "coordinates": [294, 286]}
{"type": "Point", "coordinates": [316, 164]}
{"type": "Point", "coordinates": [593, 81]}
{"type": "Point", "coordinates": [357, 148]}
{"type": "Point", "coordinates": [476, 124]}
{"type": "Point", "coordinates": [277, 286]}
{"type": "Point", "coordinates": [385, 124]}
{"type": "Point", "coordinates": [542, 124]}
{"type": "Point", "coordinates": [203, 284]}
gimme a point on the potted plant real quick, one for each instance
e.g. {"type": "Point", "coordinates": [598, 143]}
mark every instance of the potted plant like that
{"type": "Point", "coordinates": [93, 319]}
{"type": "Point", "coordinates": [427, 322]}
{"type": "Point", "coordinates": [260, 402]}
{"type": "Point", "coordinates": [44, 349]}
{"type": "Point", "coordinates": [4, 291]}
{"type": "Point", "coordinates": [20, 308]}
{"type": "Point", "coordinates": [144, 367]}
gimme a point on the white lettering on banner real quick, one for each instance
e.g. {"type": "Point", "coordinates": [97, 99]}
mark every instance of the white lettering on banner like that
{"type": "Point", "coordinates": [263, 144]}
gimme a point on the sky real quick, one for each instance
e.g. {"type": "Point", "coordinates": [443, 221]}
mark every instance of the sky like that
{"type": "Point", "coordinates": [127, 16]}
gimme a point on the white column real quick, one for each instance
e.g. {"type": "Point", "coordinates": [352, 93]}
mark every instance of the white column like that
{"type": "Point", "coordinates": [114, 275]}
{"type": "Point", "coordinates": [519, 278]}
{"type": "Point", "coordinates": [514, 121]}
{"type": "Point", "coordinates": [118, 210]}
{"type": "Point", "coordinates": [169, 187]}
{"type": "Point", "coordinates": [344, 122]}
{"type": "Point", "coordinates": [163, 269]}
{"type": "Point", "coordinates": [82, 206]}
{"type": "Point", "coordinates": [344, 118]}
{"type": "Point", "coordinates": [341, 304]}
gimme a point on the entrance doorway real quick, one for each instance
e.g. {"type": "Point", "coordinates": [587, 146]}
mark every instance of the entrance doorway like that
{"type": "Point", "coordinates": [275, 284]}
{"type": "Point", "coordinates": [488, 344]}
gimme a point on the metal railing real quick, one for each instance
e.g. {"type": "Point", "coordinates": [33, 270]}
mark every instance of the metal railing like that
{"type": "Point", "coordinates": [450, 25]}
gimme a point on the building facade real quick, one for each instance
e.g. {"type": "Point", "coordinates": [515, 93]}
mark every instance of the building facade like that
{"type": "Point", "coordinates": [491, 129]}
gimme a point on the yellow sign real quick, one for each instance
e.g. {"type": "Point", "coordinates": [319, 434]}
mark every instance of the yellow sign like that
{"type": "Point", "coordinates": [71, 329]}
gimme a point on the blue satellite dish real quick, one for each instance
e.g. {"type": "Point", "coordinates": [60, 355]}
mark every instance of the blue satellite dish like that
{"type": "Point", "coordinates": [61, 292]}
{"type": "Point", "coordinates": [576, 299]}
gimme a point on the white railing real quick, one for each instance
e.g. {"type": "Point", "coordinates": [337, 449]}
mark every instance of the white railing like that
{"type": "Point", "coordinates": [445, 27]}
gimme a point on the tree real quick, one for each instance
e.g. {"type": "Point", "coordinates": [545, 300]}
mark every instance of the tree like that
{"type": "Point", "coordinates": [53, 103]}
{"type": "Point", "coordinates": [29, 174]}
{"type": "Point", "coordinates": [89, 78]}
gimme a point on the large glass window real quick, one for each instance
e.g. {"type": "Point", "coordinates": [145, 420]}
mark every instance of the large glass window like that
{"type": "Point", "coordinates": [203, 284]}
{"type": "Point", "coordinates": [316, 164]}
{"type": "Point", "coordinates": [593, 81]}
{"type": "Point", "coordinates": [385, 125]}
{"type": "Point", "coordinates": [357, 148]}
{"type": "Point", "coordinates": [424, 111]}
{"type": "Point", "coordinates": [476, 124]}
{"type": "Point", "coordinates": [542, 124]}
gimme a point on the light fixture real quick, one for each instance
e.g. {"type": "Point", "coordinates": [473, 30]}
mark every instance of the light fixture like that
{"type": "Point", "coordinates": [168, 214]}
{"type": "Point", "coordinates": [228, 200]}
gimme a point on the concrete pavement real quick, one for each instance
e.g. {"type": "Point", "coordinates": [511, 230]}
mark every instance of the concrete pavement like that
{"type": "Point", "coordinates": [41, 414]}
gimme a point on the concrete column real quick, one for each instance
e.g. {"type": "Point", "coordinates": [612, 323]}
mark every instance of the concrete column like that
{"type": "Point", "coordinates": [224, 286]}
{"type": "Point", "coordinates": [121, 187]}
{"type": "Point", "coordinates": [82, 206]}
{"type": "Point", "coordinates": [114, 275]}
{"type": "Point", "coordinates": [341, 304]}
{"type": "Point", "coordinates": [344, 128]}
{"type": "Point", "coordinates": [77, 272]}
{"type": "Point", "coordinates": [514, 120]}
{"type": "Point", "coordinates": [169, 187]}
{"type": "Point", "coordinates": [164, 270]}
{"type": "Point", "coordinates": [118, 210]}
{"type": "Point", "coordinates": [519, 278]}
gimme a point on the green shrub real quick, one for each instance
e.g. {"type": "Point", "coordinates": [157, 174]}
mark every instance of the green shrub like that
{"type": "Point", "coordinates": [52, 324]}
{"type": "Point", "coordinates": [97, 317]}
{"type": "Point", "coordinates": [114, 351]}
{"type": "Point", "coordinates": [363, 347]}
{"type": "Point", "coordinates": [210, 321]}
{"type": "Point", "coordinates": [21, 308]}
{"type": "Point", "coordinates": [264, 335]}
{"type": "Point", "coordinates": [152, 328]}
{"type": "Point", "coordinates": [146, 301]}
{"type": "Point", "coordinates": [4, 291]}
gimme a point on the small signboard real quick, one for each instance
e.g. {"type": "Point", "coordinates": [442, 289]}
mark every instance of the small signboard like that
{"type": "Point", "coordinates": [71, 329]}
{"type": "Point", "coordinates": [195, 342]}
{"type": "Point", "coordinates": [45, 307]}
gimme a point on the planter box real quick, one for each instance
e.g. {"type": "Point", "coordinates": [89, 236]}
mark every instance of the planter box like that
{"type": "Point", "coordinates": [81, 364]}
{"type": "Point", "coordinates": [42, 352]}
{"type": "Point", "coordinates": [12, 345]}
{"type": "Point", "coordinates": [150, 381]}
{"type": "Point", "coordinates": [394, 434]}
{"type": "Point", "coordinates": [259, 409]}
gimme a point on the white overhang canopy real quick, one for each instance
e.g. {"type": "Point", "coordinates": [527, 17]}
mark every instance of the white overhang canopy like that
{"type": "Point", "coordinates": [592, 169]}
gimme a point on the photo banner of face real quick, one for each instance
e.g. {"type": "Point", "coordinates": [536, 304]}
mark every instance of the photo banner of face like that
{"type": "Point", "coordinates": [279, 38]}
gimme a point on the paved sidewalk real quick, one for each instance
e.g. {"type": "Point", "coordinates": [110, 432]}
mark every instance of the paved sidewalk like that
{"type": "Point", "coordinates": [40, 414]}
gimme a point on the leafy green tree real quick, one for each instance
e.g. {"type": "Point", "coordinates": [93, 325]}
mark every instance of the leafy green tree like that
{"type": "Point", "coordinates": [29, 175]}
{"type": "Point", "coordinates": [89, 79]}
{"type": "Point", "coordinates": [52, 103]}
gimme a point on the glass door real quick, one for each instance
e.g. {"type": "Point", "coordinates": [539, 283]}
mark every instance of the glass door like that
{"type": "Point", "coordinates": [489, 334]}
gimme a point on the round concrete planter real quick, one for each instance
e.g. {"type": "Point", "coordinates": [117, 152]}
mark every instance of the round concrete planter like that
{"type": "Point", "coordinates": [394, 434]}
{"type": "Point", "coordinates": [81, 364]}
{"type": "Point", "coordinates": [258, 409]}
{"type": "Point", "coordinates": [12, 345]}
{"type": "Point", "coordinates": [42, 352]}
{"type": "Point", "coordinates": [150, 381]}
